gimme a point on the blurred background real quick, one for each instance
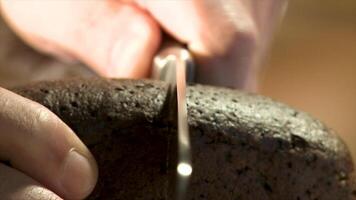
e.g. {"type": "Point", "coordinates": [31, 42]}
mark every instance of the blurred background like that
{"type": "Point", "coordinates": [311, 65]}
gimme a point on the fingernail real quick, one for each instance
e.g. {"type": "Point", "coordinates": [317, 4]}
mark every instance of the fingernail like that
{"type": "Point", "coordinates": [124, 53]}
{"type": "Point", "coordinates": [78, 176]}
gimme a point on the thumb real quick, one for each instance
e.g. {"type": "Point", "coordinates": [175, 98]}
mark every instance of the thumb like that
{"type": "Point", "coordinates": [39, 144]}
{"type": "Point", "coordinates": [115, 39]}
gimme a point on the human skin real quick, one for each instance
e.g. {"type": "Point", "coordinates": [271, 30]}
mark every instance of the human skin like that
{"type": "Point", "coordinates": [226, 37]}
{"type": "Point", "coordinates": [44, 150]}
{"type": "Point", "coordinates": [117, 39]}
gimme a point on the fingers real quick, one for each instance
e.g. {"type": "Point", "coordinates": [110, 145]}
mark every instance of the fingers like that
{"type": "Point", "coordinates": [132, 42]}
{"type": "Point", "coordinates": [38, 143]}
{"type": "Point", "coordinates": [120, 38]}
{"type": "Point", "coordinates": [222, 36]}
{"type": "Point", "coordinates": [116, 39]}
{"type": "Point", "coordinates": [15, 185]}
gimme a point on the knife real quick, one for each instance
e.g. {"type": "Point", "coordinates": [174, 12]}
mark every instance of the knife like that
{"type": "Point", "coordinates": [174, 65]}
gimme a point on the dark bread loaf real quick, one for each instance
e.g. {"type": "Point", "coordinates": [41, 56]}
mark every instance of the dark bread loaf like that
{"type": "Point", "coordinates": [244, 146]}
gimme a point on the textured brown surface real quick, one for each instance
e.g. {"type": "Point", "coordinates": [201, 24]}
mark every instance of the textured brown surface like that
{"type": "Point", "coordinates": [245, 146]}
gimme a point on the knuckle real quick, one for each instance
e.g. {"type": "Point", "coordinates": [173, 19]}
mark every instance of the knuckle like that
{"type": "Point", "coordinates": [233, 32]}
{"type": "Point", "coordinates": [44, 119]}
{"type": "Point", "coordinates": [4, 99]}
{"type": "Point", "coordinates": [39, 193]}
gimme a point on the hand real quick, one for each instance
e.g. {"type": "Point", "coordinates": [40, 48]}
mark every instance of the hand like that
{"type": "Point", "coordinates": [118, 38]}
{"type": "Point", "coordinates": [48, 159]}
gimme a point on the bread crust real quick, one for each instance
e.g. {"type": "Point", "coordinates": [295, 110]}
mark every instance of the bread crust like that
{"type": "Point", "coordinates": [245, 146]}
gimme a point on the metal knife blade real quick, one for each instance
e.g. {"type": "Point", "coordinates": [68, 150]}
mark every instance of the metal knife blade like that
{"type": "Point", "coordinates": [174, 64]}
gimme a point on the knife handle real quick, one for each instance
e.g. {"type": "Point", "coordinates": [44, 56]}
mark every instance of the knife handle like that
{"type": "Point", "coordinates": [164, 63]}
